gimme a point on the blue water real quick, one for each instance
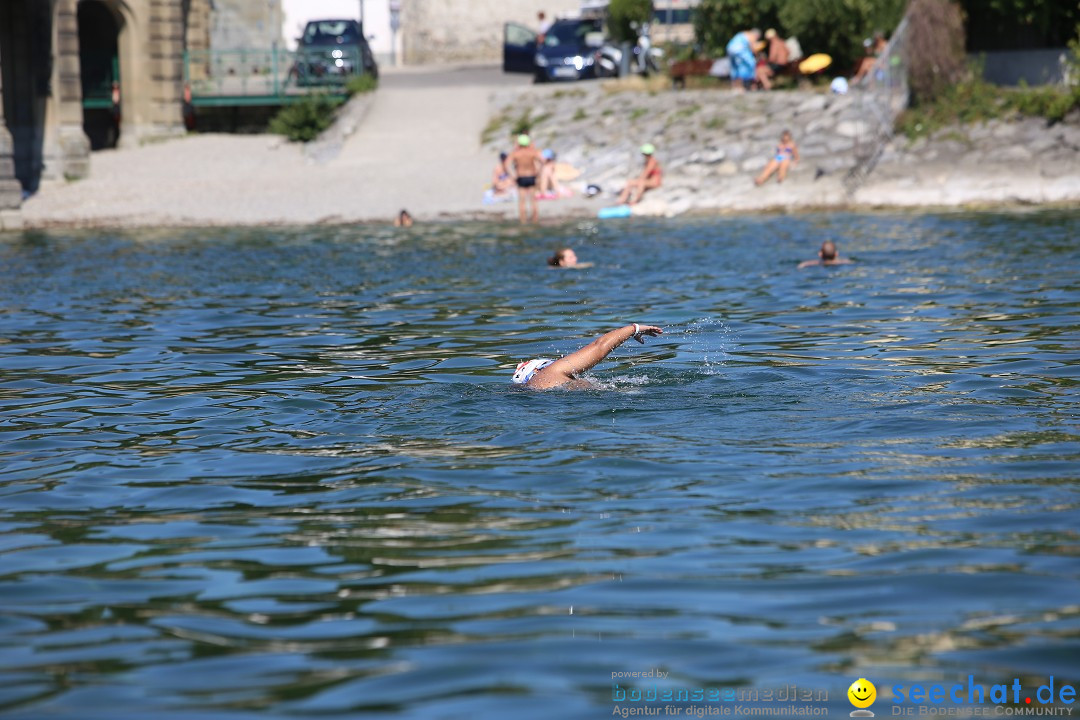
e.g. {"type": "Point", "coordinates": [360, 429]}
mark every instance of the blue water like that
{"type": "Point", "coordinates": [281, 473]}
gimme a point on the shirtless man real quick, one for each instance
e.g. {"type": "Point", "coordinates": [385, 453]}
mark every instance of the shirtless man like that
{"type": "Point", "coordinates": [544, 373]}
{"type": "Point", "coordinates": [526, 162]}
{"type": "Point", "coordinates": [827, 255]}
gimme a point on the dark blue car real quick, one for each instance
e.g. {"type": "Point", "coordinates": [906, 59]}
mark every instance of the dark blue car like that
{"type": "Point", "coordinates": [567, 52]}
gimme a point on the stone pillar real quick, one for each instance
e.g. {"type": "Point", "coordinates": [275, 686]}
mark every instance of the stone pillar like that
{"type": "Point", "coordinates": [166, 67]}
{"type": "Point", "coordinates": [67, 149]}
{"type": "Point", "coordinates": [10, 189]}
{"type": "Point", "coordinates": [198, 39]}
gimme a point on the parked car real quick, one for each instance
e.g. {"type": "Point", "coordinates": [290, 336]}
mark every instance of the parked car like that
{"type": "Point", "coordinates": [568, 50]}
{"type": "Point", "coordinates": [331, 50]}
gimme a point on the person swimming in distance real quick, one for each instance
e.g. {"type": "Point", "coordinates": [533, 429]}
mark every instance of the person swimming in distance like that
{"type": "Point", "coordinates": [827, 255]}
{"type": "Point", "coordinates": [566, 258]}
{"type": "Point", "coordinates": [544, 373]}
{"type": "Point", "coordinates": [403, 219]}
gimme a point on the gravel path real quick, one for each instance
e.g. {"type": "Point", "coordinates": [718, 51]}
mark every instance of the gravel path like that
{"type": "Point", "coordinates": [418, 147]}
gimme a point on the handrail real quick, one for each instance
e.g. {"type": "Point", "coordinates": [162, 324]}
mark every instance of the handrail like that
{"type": "Point", "coordinates": [273, 72]}
{"type": "Point", "coordinates": [883, 94]}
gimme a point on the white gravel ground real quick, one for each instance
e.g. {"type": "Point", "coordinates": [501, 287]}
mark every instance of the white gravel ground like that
{"type": "Point", "coordinates": [418, 147]}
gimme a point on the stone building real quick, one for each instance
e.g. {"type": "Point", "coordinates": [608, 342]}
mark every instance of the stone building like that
{"type": "Point", "coordinates": [467, 30]}
{"type": "Point", "coordinates": [77, 75]}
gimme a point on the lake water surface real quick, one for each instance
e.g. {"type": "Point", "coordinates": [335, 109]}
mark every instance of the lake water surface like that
{"type": "Point", "coordinates": [281, 473]}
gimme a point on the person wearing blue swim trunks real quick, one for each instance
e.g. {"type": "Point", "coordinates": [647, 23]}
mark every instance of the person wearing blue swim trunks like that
{"type": "Point", "coordinates": [740, 50]}
{"type": "Point", "coordinates": [544, 373]}
{"type": "Point", "coordinates": [787, 154]}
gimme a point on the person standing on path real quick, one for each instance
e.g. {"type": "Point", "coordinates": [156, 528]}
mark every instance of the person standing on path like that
{"type": "Point", "coordinates": [542, 26]}
{"type": "Point", "coordinates": [526, 162]}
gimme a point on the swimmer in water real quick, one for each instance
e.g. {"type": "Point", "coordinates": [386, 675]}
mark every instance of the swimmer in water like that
{"type": "Point", "coordinates": [544, 373]}
{"type": "Point", "coordinates": [563, 258]}
{"type": "Point", "coordinates": [827, 255]}
{"type": "Point", "coordinates": [566, 258]}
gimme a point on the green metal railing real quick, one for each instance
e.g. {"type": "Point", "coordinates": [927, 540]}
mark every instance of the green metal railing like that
{"type": "Point", "coordinates": [267, 77]}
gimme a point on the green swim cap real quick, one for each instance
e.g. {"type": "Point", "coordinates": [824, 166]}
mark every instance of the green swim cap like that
{"type": "Point", "coordinates": [647, 149]}
{"type": "Point", "coordinates": [523, 140]}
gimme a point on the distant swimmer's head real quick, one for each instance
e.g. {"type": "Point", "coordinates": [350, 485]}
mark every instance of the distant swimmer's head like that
{"type": "Point", "coordinates": [563, 258]}
{"type": "Point", "coordinates": [403, 219]}
{"type": "Point", "coordinates": [527, 369]}
{"type": "Point", "coordinates": [828, 250]}
{"type": "Point", "coordinates": [524, 140]}
{"type": "Point", "coordinates": [648, 149]}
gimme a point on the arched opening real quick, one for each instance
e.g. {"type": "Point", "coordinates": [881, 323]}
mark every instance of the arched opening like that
{"type": "Point", "coordinates": [99, 60]}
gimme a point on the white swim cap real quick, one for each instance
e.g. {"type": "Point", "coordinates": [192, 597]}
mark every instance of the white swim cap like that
{"type": "Point", "coordinates": [527, 369]}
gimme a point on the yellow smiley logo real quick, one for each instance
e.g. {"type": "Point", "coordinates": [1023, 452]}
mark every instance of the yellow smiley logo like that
{"type": "Point", "coordinates": [862, 693]}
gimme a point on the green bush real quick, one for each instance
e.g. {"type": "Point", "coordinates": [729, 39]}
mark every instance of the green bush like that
{"type": "Point", "coordinates": [838, 27]}
{"type": "Point", "coordinates": [360, 84]}
{"type": "Point", "coordinates": [717, 21]}
{"type": "Point", "coordinates": [621, 13]}
{"type": "Point", "coordinates": [976, 100]}
{"type": "Point", "coordinates": [835, 27]}
{"type": "Point", "coordinates": [303, 120]}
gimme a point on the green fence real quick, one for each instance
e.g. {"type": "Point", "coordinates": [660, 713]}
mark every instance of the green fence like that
{"type": "Point", "coordinates": [267, 77]}
{"type": "Point", "coordinates": [100, 71]}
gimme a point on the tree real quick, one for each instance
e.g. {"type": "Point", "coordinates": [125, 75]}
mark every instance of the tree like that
{"type": "Point", "coordinates": [623, 13]}
{"type": "Point", "coordinates": [717, 21]}
{"type": "Point", "coordinates": [936, 59]}
{"type": "Point", "coordinates": [838, 27]}
{"type": "Point", "coordinates": [834, 27]}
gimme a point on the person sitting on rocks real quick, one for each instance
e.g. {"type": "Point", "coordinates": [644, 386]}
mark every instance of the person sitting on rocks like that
{"type": "Point", "coordinates": [873, 50]}
{"type": "Point", "coordinates": [547, 185]}
{"type": "Point", "coordinates": [763, 74]}
{"type": "Point", "coordinates": [650, 178]}
{"type": "Point", "coordinates": [787, 154]}
{"type": "Point", "coordinates": [501, 181]}
{"type": "Point", "coordinates": [779, 55]}
{"type": "Point", "coordinates": [827, 255]}
{"type": "Point", "coordinates": [544, 373]}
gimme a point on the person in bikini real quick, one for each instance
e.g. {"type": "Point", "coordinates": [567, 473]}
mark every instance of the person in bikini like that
{"type": "Point", "coordinates": [787, 154]}
{"type": "Point", "coordinates": [544, 373]}
{"type": "Point", "coordinates": [526, 162]}
{"type": "Point", "coordinates": [501, 182]}
{"type": "Point", "coordinates": [650, 178]}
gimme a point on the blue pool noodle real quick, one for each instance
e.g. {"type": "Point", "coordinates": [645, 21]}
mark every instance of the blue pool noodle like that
{"type": "Point", "coordinates": [617, 211]}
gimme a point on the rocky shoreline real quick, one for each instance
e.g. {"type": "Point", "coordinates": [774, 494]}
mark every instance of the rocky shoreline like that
{"type": "Point", "coordinates": [713, 142]}
{"type": "Point", "coordinates": [393, 150]}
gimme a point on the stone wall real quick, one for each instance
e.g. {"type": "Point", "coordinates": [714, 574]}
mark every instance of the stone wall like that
{"type": "Point", "coordinates": [711, 144]}
{"type": "Point", "coordinates": [467, 30]}
{"type": "Point", "coordinates": [236, 24]}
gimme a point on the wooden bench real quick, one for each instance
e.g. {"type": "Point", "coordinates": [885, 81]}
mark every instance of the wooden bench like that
{"type": "Point", "coordinates": [683, 69]}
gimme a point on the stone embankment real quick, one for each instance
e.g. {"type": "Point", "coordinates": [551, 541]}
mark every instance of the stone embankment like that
{"type": "Point", "coordinates": [713, 142]}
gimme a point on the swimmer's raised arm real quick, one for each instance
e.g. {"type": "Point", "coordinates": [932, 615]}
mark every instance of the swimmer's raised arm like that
{"type": "Point", "coordinates": [565, 369]}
